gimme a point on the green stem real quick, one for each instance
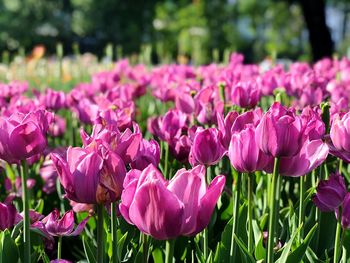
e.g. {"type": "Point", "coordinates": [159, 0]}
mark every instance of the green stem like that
{"type": "Point", "coordinates": [169, 250]}
{"type": "Point", "coordinates": [301, 207]}
{"type": "Point", "coordinates": [166, 160]}
{"type": "Point", "coordinates": [250, 213]}
{"type": "Point", "coordinates": [26, 219]}
{"type": "Point", "coordinates": [205, 243]}
{"type": "Point", "coordinates": [273, 211]}
{"type": "Point", "coordinates": [59, 248]}
{"type": "Point", "coordinates": [114, 233]}
{"type": "Point", "coordinates": [235, 215]}
{"type": "Point", "coordinates": [340, 166]}
{"type": "Point", "coordinates": [100, 234]}
{"type": "Point", "coordinates": [144, 239]}
{"type": "Point", "coordinates": [337, 241]}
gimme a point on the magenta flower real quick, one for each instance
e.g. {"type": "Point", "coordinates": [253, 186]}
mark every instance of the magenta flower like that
{"type": "Point", "coordinates": [246, 94]}
{"type": "Point", "coordinates": [244, 154]}
{"type": "Point", "coordinates": [169, 126]}
{"type": "Point", "coordinates": [167, 209]}
{"type": "Point", "coordinates": [279, 132]}
{"type": "Point", "coordinates": [23, 135]}
{"type": "Point", "coordinates": [149, 152]}
{"type": "Point", "coordinates": [339, 134]}
{"type": "Point", "coordinates": [125, 144]}
{"type": "Point", "coordinates": [330, 193]}
{"type": "Point", "coordinates": [207, 147]}
{"type": "Point", "coordinates": [9, 216]}
{"type": "Point", "coordinates": [91, 175]}
{"type": "Point", "coordinates": [53, 100]}
{"type": "Point", "coordinates": [52, 225]}
{"type": "Point", "coordinates": [345, 216]}
{"type": "Point", "coordinates": [225, 126]}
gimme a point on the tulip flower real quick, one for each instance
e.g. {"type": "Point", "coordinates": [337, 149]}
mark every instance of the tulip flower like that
{"type": "Point", "coordinates": [244, 154]}
{"type": "Point", "coordinates": [246, 94]}
{"type": "Point", "coordinates": [167, 209]}
{"type": "Point", "coordinates": [339, 134]}
{"type": "Point", "coordinates": [345, 216]}
{"type": "Point", "coordinates": [23, 135]}
{"type": "Point", "coordinates": [149, 152]}
{"type": "Point", "coordinates": [8, 216]}
{"type": "Point", "coordinates": [207, 147]}
{"type": "Point", "coordinates": [330, 193]}
{"type": "Point", "coordinates": [225, 126]}
{"type": "Point", "coordinates": [53, 225]}
{"type": "Point", "coordinates": [279, 132]}
{"type": "Point", "coordinates": [91, 175]}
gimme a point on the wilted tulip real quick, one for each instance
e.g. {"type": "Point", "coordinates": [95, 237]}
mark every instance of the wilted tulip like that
{"type": "Point", "coordinates": [330, 193]}
{"type": "Point", "coordinates": [23, 135]}
{"type": "Point", "coordinates": [279, 132]}
{"type": "Point", "coordinates": [53, 225]}
{"type": "Point", "coordinates": [207, 147]}
{"type": "Point", "coordinates": [91, 175]}
{"type": "Point", "coordinates": [8, 216]}
{"type": "Point", "coordinates": [167, 209]}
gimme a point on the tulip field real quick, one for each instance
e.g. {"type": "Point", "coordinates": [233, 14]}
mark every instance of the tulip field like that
{"type": "Point", "coordinates": [177, 163]}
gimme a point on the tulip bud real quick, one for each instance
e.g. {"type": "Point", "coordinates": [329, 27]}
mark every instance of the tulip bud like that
{"type": "Point", "coordinates": [330, 193]}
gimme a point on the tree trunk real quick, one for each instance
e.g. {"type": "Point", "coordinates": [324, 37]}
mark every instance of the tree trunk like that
{"type": "Point", "coordinates": [319, 35]}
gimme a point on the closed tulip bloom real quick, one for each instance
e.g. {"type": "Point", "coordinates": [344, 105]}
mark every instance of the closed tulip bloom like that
{"type": "Point", "coordinates": [279, 132]}
{"type": "Point", "coordinates": [149, 152]}
{"type": "Point", "coordinates": [244, 154]}
{"type": "Point", "coordinates": [91, 176]}
{"type": "Point", "coordinates": [340, 132]}
{"type": "Point", "coordinates": [167, 209]}
{"type": "Point", "coordinates": [330, 193]}
{"type": "Point", "coordinates": [312, 154]}
{"type": "Point", "coordinates": [8, 216]}
{"type": "Point", "coordinates": [225, 126]}
{"type": "Point", "coordinates": [23, 135]}
{"type": "Point", "coordinates": [207, 147]}
{"type": "Point", "coordinates": [246, 94]}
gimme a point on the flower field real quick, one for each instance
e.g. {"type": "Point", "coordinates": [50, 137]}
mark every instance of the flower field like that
{"type": "Point", "coordinates": [175, 163]}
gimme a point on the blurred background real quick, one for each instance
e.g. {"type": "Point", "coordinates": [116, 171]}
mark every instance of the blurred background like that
{"type": "Point", "coordinates": [196, 32]}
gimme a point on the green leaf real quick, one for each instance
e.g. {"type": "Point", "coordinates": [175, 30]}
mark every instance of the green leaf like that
{"type": "Point", "coordinates": [8, 249]}
{"type": "Point", "coordinates": [260, 251]}
{"type": "Point", "coordinates": [287, 247]}
{"type": "Point", "coordinates": [298, 254]}
{"type": "Point", "coordinates": [249, 257]}
{"type": "Point", "coordinates": [9, 172]}
{"type": "Point", "coordinates": [120, 246]}
{"type": "Point", "coordinates": [89, 251]}
{"type": "Point", "coordinates": [157, 255]}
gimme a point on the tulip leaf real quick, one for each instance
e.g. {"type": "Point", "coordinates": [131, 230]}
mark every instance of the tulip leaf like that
{"type": "Point", "coordinates": [157, 255]}
{"type": "Point", "coordinates": [248, 256]}
{"type": "Point", "coordinates": [298, 254]}
{"type": "Point", "coordinates": [288, 246]}
{"type": "Point", "coordinates": [89, 251]}
{"type": "Point", "coordinates": [8, 249]}
{"type": "Point", "coordinates": [120, 246]}
{"type": "Point", "coordinates": [9, 172]}
{"type": "Point", "coordinates": [260, 252]}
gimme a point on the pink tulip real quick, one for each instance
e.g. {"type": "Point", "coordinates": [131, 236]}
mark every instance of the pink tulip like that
{"type": "Point", "coordinates": [53, 225]}
{"type": "Point", "coordinates": [279, 132]}
{"type": "Point", "coordinates": [149, 152]}
{"type": "Point", "coordinates": [167, 209]}
{"type": "Point", "coordinates": [23, 135]}
{"type": "Point", "coordinates": [207, 147]}
{"type": "Point", "coordinates": [91, 175]}
{"type": "Point", "coordinates": [246, 94]}
{"type": "Point", "coordinates": [339, 134]}
{"type": "Point", "coordinates": [244, 154]}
